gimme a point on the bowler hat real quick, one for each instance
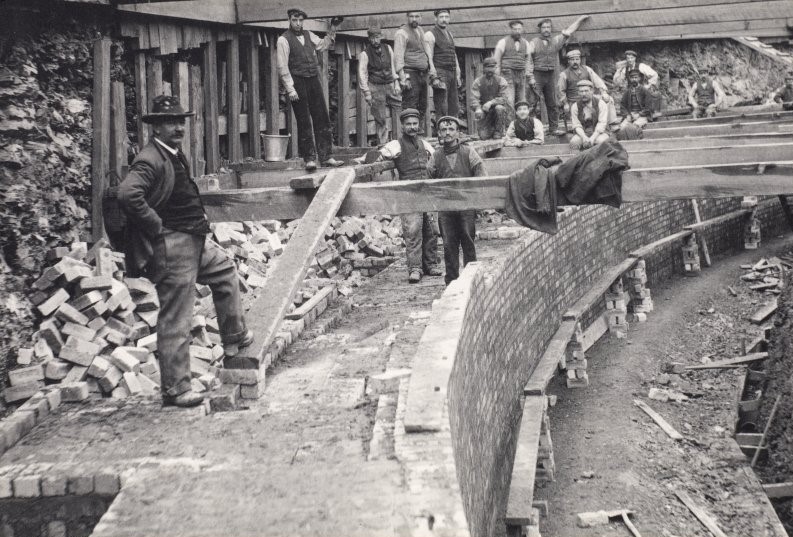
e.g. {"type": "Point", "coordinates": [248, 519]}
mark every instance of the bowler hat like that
{"type": "Point", "coordinates": [634, 72]}
{"type": "Point", "coordinates": [166, 107]}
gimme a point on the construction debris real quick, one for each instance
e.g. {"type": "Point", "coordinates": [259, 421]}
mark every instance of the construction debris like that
{"type": "Point", "coordinates": [703, 516]}
{"type": "Point", "coordinates": [601, 518]}
{"type": "Point", "coordinates": [657, 418]}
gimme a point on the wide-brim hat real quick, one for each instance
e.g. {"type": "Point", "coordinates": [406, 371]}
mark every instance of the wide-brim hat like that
{"type": "Point", "coordinates": [166, 107]}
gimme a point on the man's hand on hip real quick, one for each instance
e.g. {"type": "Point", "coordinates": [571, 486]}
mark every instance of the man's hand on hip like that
{"type": "Point", "coordinates": [293, 96]}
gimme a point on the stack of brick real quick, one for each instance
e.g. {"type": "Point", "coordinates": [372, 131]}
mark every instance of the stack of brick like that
{"type": "Point", "coordinates": [575, 360]}
{"type": "Point", "coordinates": [545, 460]}
{"type": "Point", "coordinates": [641, 301]}
{"type": "Point", "coordinates": [617, 309]}
{"type": "Point", "coordinates": [751, 234]}
{"type": "Point", "coordinates": [691, 266]}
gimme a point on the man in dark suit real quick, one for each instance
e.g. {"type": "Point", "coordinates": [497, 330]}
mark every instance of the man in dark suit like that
{"type": "Point", "coordinates": [635, 107]}
{"type": "Point", "coordinates": [168, 243]}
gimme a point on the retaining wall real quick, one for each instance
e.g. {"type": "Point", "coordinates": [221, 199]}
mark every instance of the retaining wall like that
{"type": "Point", "coordinates": [516, 306]}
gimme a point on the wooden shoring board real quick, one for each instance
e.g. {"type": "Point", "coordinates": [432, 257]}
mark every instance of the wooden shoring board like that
{"type": "Point", "coordinates": [141, 99]}
{"type": "Point", "coordinates": [746, 127]}
{"type": "Point", "coordinates": [730, 362]}
{"type": "Point", "coordinates": [233, 100]}
{"type": "Point", "coordinates": [551, 357]}
{"type": "Point", "coordinates": [210, 80]}
{"type": "Point", "coordinates": [252, 77]}
{"type": "Point", "coordinates": [521, 488]}
{"type": "Point", "coordinates": [271, 87]}
{"type": "Point", "coordinates": [180, 87]}
{"type": "Point", "coordinates": [267, 313]}
{"type": "Point", "coordinates": [598, 289]}
{"type": "Point", "coordinates": [702, 242]}
{"type": "Point", "coordinates": [100, 153]}
{"type": "Point", "coordinates": [719, 140]}
{"type": "Point", "coordinates": [727, 119]}
{"type": "Point", "coordinates": [401, 197]}
{"type": "Point", "coordinates": [703, 516]}
{"type": "Point", "coordinates": [343, 81]}
{"type": "Point", "coordinates": [118, 131]}
{"type": "Point", "coordinates": [197, 125]}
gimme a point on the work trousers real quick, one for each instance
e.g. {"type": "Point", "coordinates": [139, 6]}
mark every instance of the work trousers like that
{"type": "Point", "coordinates": [613, 118]}
{"type": "Point", "coordinates": [310, 110]}
{"type": "Point", "coordinates": [180, 261]}
{"type": "Point", "coordinates": [458, 228]}
{"type": "Point", "coordinates": [516, 91]}
{"type": "Point", "coordinates": [705, 110]}
{"type": "Point", "coordinates": [494, 125]}
{"type": "Point", "coordinates": [383, 98]}
{"type": "Point", "coordinates": [636, 119]}
{"type": "Point", "coordinates": [420, 233]}
{"type": "Point", "coordinates": [577, 144]}
{"type": "Point", "coordinates": [546, 86]}
{"type": "Point", "coordinates": [416, 96]}
{"type": "Point", "coordinates": [445, 101]}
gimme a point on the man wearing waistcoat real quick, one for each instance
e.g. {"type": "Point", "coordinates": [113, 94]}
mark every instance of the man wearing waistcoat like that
{"type": "Point", "coordinates": [444, 67]}
{"type": "Point", "coordinates": [489, 102]}
{"type": "Point", "coordinates": [568, 84]}
{"type": "Point", "coordinates": [411, 60]}
{"type": "Point", "coordinates": [544, 56]}
{"type": "Point", "coordinates": [167, 243]}
{"type": "Point", "coordinates": [378, 81]}
{"type": "Point", "coordinates": [635, 105]}
{"type": "Point", "coordinates": [299, 71]}
{"type": "Point", "coordinates": [513, 62]}
{"type": "Point", "coordinates": [458, 228]}
{"type": "Point", "coordinates": [590, 118]}
{"type": "Point", "coordinates": [411, 155]}
{"type": "Point", "coordinates": [649, 77]}
{"type": "Point", "coordinates": [785, 93]}
{"type": "Point", "coordinates": [706, 95]}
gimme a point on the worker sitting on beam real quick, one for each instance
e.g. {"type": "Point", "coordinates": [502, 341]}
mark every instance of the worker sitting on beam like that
{"type": "Point", "coordinates": [635, 108]}
{"type": "Point", "coordinates": [706, 95]}
{"type": "Point", "coordinates": [526, 129]}
{"type": "Point", "coordinates": [567, 85]}
{"type": "Point", "coordinates": [649, 78]}
{"type": "Point", "coordinates": [489, 102]}
{"type": "Point", "coordinates": [590, 118]}
{"type": "Point", "coordinates": [411, 154]}
{"type": "Point", "coordinates": [458, 228]}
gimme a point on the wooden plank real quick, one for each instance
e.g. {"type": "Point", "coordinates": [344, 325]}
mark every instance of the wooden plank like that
{"type": "Point", "coordinates": [778, 490]}
{"type": "Point", "coordinates": [294, 148]}
{"type": "Point", "coordinates": [118, 136]}
{"type": "Point", "coordinates": [362, 117]}
{"type": "Point", "coordinates": [267, 313]}
{"type": "Point", "coordinates": [724, 119]}
{"type": "Point", "coordinates": [216, 11]}
{"type": "Point", "coordinates": [320, 295]}
{"type": "Point", "coordinates": [324, 76]}
{"type": "Point", "coordinates": [521, 488]}
{"type": "Point", "coordinates": [153, 79]}
{"type": "Point", "coordinates": [472, 64]}
{"type": "Point", "coordinates": [141, 99]}
{"type": "Point", "coordinates": [551, 357]}
{"type": "Point", "coordinates": [759, 316]}
{"type": "Point", "coordinates": [647, 249]}
{"type": "Point", "coordinates": [252, 78]}
{"type": "Point", "coordinates": [703, 516]}
{"type": "Point", "coordinates": [730, 362]}
{"type": "Point", "coordinates": [197, 128]}
{"type": "Point", "coordinates": [713, 130]}
{"type": "Point", "coordinates": [659, 420]}
{"type": "Point", "coordinates": [598, 288]}
{"type": "Point", "coordinates": [343, 112]}
{"type": "Point", "coordinates": [233, 92]}
{"type": "Point", "coordinates": [400, 197]}
{"type": "Point", "coordinates": [100, 148]}
{"type": "Point", "coordinates": [210, 81]}
{"type": "Point", "coordinates": [702, 243]}
{"type": "Point", "coordinates": [180, 84]}
{"type": "Point", "coordinates": [271, 87]}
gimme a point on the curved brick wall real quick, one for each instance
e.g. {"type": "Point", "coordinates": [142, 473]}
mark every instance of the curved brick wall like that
{"type": "Point", "coordinates": [516, 306]}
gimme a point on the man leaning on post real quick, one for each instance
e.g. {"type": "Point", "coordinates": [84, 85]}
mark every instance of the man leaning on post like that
{"type": "Point", "coordinates": [168, 244]}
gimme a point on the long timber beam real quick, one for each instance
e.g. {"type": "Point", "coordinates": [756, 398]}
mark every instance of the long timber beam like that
{"type": "Point", "coordinates": [400, 197]}
{"type": "Point", "coordinates": [773, 115]}
{"type": "Point", "coordinates": [747, 127]}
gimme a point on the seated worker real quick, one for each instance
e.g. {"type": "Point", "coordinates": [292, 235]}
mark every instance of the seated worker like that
{"type": "Point", "coordinates": [458, 228]}
{"type": "Point", "coordinates": [785, 93]}
{"type": "Point", "coordinates": [706, 95]}
{"type": "Point", "coordinates": [590, 118]}
{"type": "Point", "coordinates": [567, 86]}
{"type": "Point", "coordinates": [526, 129]}
{"type": "Point", "coordinates": [649, 78]}
{"type": "Point", "coordinates": [411, 155]}
{"type": "Point", "coordinates": [634, 107]}
{"type": "Point", "coordinates": [489, 102]}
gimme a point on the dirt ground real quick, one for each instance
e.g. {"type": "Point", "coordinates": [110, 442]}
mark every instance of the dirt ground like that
{"type": "Point", "coordinates": [610, 455]}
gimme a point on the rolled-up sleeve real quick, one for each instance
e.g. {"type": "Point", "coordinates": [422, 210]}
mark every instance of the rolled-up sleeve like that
{"type": "Point", "coordinates": [282, 55]}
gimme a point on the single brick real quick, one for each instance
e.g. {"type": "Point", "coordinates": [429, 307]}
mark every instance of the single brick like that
{"type": "Point", "coordinates": [79, 351]}
{"type": "Point", "coordinates": [80, 484]}
{"type": "Point", "coordinates": [53, 485]}
{"type": "Point", "coordinates": [68, 314]}
{"type": "Point", "coordinates": [107, 483]}
{"type": "Point", "coordinates": [49, 306]}
{"type": "Point", "coordinates": [26, 375]}
{"type": "Point", "coordinates": [224, 399]}
{"type": "Point", "coordinates": [21, 391]}
{"type": "Point", "coordinates": [27, 486]}
{"type": "Point", "coordinates": [131, 383]}
{"type": "Point", "coordinates": [74, 392]}
{"type": "Point", "coordinates": [124, 360]}
{"type": "Point", "coordinates": [111, 379]}
{"type": "Point", "coordinates": [57, 369]}
{"type": "Point", "coordinates": [240, 376]}
{"type": "Point", "coordinates": [99, 367]}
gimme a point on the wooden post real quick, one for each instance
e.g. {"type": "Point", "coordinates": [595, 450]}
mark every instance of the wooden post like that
{"type": "Point", "coordinates": [293, 145]}
{"type": "Point", "coordinates": [343, 113]}
{"type": "Point", "coordinates": [233, 92]}
{"type": "Point", "coordinates": [118, 146]}
{"type": "Point", "coordinates": [211, 141]}
{"type": "Point", "coordinates": [470, 75]}
{"type": "Point", "coordinates": [180, 87]}
{"type": "Point", "coordinates": [252, 71]}
{"type": "Point", "coordinates": [154, 79]}
{"type": "Point", "coordinates": [100, 155]}
{"type": "Point", "coordinates": [142, 101]}
{"type": "Point", "coordinates": [427, 115]}
{"type": "Point", "coordinates": [361, 115]}
{"type": "Point", "coordinates": [271, 88]}
{"type": "Point", "coordinates": [197, 127]}
{"type": "Point", "coordinates": [324, 76]}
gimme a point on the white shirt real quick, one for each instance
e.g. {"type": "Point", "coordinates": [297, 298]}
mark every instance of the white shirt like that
{"type": "Point", "coordinates": [393, 149]}
{"type": "Point", "coordinates": [168, 148]}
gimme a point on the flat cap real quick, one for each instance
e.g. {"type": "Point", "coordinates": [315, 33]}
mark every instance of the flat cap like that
{"type": "Point", "coordinates": [522, 103]}
{"type": "Point", "coordinates": [631, 52]}
{"type": "Point", "coordinates": [449, 119]}
{"type": "Point", "coordinates": [439, 11]}
{"type": "Point", "coordinates": [408, 112]}
{"type": "Point", "coordinates": [582, 83]}
{"type": "Point", "coordinates": [543, 21]}
{"type": "Point", "coordinates": [574, 53]}
{"type": "Point", "coordinates": [489, 61]}
{"type": "Point", "coordinates": [295, 11]}
{"type": "Point", "coordinates": [374, 30]}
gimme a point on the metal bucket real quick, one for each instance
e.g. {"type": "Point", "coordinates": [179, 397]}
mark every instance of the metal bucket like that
{"type": "Point", "coordinates": [275, 146]}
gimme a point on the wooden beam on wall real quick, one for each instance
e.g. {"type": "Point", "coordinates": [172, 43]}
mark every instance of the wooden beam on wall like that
{"type": "Point", "coordinates": [211, 141]}
{"type": "Point", "coordinates": [180, 87]}
{"type": "Point", "coordinates": [252, 78]}
{"type": "Point", "coordinates": [100, 114]}
{"type": "Point", "coordinates": [361, 114]}
{"type": "Point", "coordinates": [343, 107]}
{"type": "Point", "coordinates": [197, 127]}
{"type": "Point", "coordinates": [271, 86]}
{"type": "Point", "coordinates": [233, 100]}
{"type": "Point", "coordinates": [118, 136]}
{"type": "Point", "coordinates": [141, 99]}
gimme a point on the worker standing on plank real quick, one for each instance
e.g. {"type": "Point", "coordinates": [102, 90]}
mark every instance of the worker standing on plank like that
{"type": "Point", "coordinates": [526, 129]}
{"type": "Point", "coordinates": [544, 57]}
{"type": "Point", "coordinates": [514, 63]}
{"type": "Point", "coordinates": [411, 60]}
{"type": "Point", "coordinates": [590, 118]}
{"type": "Point", "coordinates": [634, 107]}
{"type": "Point", "coordinates": [458, 228]}
{"type": "Point", "coordinates": [706, 95]}
{"type": "Point", "coordinates": [377, 79]}
{"type": "Point", "coordinates": [567, 85]}
{"type": "Point", "coordinates": [411, 155]}
{"type": "Point", "coordinates": [299, 71]}
{"type": "Point", "coordinates": [785, 93]}
{"type": "Point", "coordinates": [649, 78]}
{"type": "Point", "coordinates": [444, 67]}
{"type": "Point", "coordinates": [489, 102]}
{"type": "Point", "coordinates": [169, 244]}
